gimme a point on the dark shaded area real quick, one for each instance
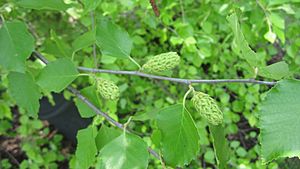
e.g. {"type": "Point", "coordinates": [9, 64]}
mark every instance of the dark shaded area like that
{"type": "Point", "coordinates": [64, 116]}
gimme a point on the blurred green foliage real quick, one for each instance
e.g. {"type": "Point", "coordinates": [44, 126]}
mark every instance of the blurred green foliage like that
{"type": "Point", "coordinates": [200, 33]}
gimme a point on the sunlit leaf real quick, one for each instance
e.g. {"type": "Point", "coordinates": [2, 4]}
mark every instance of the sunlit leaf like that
{"type": "Point", "coordinates": [16, 45]}
{"type": "Point", "coordinates": [180, 140]}
{"type": "Point", "coordinates": [279, 121]}
{"type": "Point", "coordinates": [57, 75]}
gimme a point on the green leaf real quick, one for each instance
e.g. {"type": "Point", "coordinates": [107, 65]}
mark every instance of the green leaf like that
{"type": "Point", "coordinates": [277, 20]}
{"type": "Point", "coordinates": [86, 148]}
{"type": "Point", "coordinates": [106, 135]}
{"type": "Point", "coordinates": [279, 121]}
{"type": "Point", "coordinates": [270, 36]}
{"type": "Point", "coordinates": [61, 45]}
{"type": "Point", "coordinates": [91, 94]}
{"type": "Point", "coordinates": [275, 71]}
{"type": "Point", "coordinates": [57, 75]}
{"type": "Point", "coordinates": [222, 150]}
{"type": "Point", "coordinates": [90, 5]}
{"type": "Point", "coordinates": [126, 151]}
{"type": "Point", "coordinates": [25, 91]}
{"type": "Point", "coordinates": [247, 53]}
{"type": "Point", "coordinates": [44, 4]}
{"type": "Point", "coordinates": [146, 116]}
{"type": "Point", "coordinates": [112, 40]}
{"type": "Point", "coordinates": [16, 45]}
{"type": "Point", "coordinates": [180, 139]}
{"type": "Point", "coordinates": [85, 40]}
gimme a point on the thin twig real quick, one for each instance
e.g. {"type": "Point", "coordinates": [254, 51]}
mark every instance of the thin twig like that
{"type": "Point", "coordinates": [94, 45]}
{"type": "Point", "coordinates": [14, 160]}
{"type": "Point", "coordinates": [154, 7]}
{"type": "Point", "coordinates": [182, 11]}
{"type": "Point", "coordinates": [178, 80]}
{"type": "Point", "coordinates": [93, 107]}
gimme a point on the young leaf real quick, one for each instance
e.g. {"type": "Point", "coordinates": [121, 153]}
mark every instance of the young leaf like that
{"type": "Point", "coordinates": [125, 151]}
{"type": "Point", "coordinates": [275, 71]}
{"type": "Point", "coordinates": [44, 4]}
{"type": "Point", "coordinates": [57, 75]}
{"type": "Point", "coordinates": [112, 40]}
{"type": "Point", "coordinates": [106, 135]}
{"type": "Point", "coordinates": [221, 148]}
{"type": "Point", "coordinates": [16, 45]}
{"type": "Point", "coordinates": [86, 148]}
{"type": "Point", "coordinates": [90, 5]}
{"type": "Point", "coordinates": [84, 40]}
{"type": "Point", "coordinates": [279, 121]}
{"type": "Point", "coordinates": [61, 45]}
{"type": "Point", "coordinates": [247, 53]}
{"type": "Point", "coordinates": [84, 110]}
{"type": "Point", "coordinates": [25, 91]}
{"type": "Point", "coordinates": [180, 139]}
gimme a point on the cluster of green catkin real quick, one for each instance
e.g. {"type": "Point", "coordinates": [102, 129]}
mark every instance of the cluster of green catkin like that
{"type": "Point", "coordinates": [107, 89]}
{"type": "Point", "coordinates": [208, 108]}
{"type": "Point", "coordinates": [161, 62]}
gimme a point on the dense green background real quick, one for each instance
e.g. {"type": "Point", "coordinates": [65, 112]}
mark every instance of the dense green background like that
{"type": "Point", "coordinates": [212, 38]}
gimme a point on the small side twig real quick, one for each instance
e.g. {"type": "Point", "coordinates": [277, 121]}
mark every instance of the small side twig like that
{"type": "Point", "coordinates": [155, 8]}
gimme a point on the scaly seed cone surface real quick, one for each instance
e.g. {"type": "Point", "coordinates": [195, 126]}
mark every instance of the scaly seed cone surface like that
{"type": "Point", "coordinates": [107, 89]}
{"type": "Point", "coordinates": [162, 62]}
{"type": "Point", "coordinates": [208, 108]}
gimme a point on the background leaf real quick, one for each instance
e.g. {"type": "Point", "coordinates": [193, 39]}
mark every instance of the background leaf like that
{"type": "Point", "coordinates": [279, 121]}
{"type": "Point", "coordinates": [112, 40]}
{"type": "Point", "coordinates": [275, 71]}
{"type": "Point", "coordinates": [126, 151]}
{"type": "Point", "coordinates": [86, 147]}
{"type": "Point", "coordinates": [57, 75]}
{"type": "Point", "coordinates": [91, 94]}
{"type": "Point", "coordinates": [247, 53]}
{"type": "Point", "coordinates": [222, 151]}
{"type": "Point", "coordinates": [180, 139]}
{"type": "Point", "coordinates": [44, 4]}
{"type": "Point", "coordinates": [16, 45]}
{"type": "Point", "coordinates": [90, 5]}
{"type": "Point", "coordinates": [63, 47]}
{"type": "Point", "coordinates": [25, 91]}
{"type": "Point", "coordinates": [84, 40]}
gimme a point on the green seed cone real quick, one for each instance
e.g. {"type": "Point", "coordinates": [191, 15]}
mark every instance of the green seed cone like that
{"type": "Point", "coordinates": [208, 108]}
{"type": "Point", "coordinates": [162, 62]}
{"type": "Point", "coordinates": [107, 89]}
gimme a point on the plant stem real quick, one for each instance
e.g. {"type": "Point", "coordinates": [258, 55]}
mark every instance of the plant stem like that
{"type": "Point", "coordinates": [177, 80]}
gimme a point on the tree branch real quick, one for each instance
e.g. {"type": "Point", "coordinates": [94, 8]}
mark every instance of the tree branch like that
{"type": "Point", "coordinates": [172, 79]}
{"type": "Point", "coordinates": [93, 107]}
{"type": "Point", "coordinates": [178, 80]}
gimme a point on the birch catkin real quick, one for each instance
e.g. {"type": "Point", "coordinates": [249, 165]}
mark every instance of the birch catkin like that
{"type": "Point", "coordinates": [161, 62]}
{"type": "Point", "coordinates": [107, 89]}
{"type": "Point", "coordinates": [208, 108]}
